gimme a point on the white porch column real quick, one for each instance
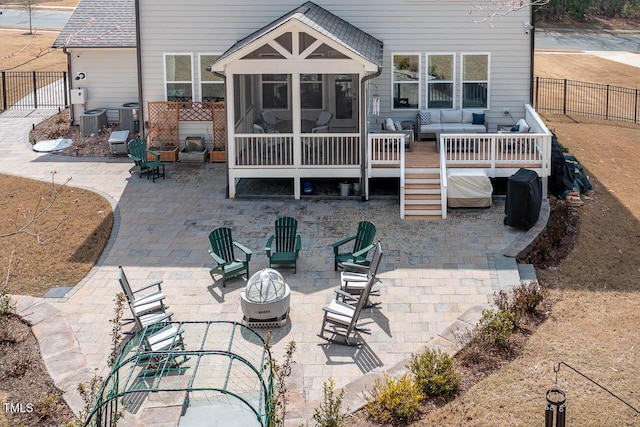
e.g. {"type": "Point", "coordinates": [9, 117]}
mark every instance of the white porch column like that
{"type": "Point", "coordinates": [296, 118]}
{"type": "Point", "coordinates": [231, 146]}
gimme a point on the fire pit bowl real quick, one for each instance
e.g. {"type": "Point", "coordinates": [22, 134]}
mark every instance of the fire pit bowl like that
{"type": "Point", "coordinates": [265, 300]}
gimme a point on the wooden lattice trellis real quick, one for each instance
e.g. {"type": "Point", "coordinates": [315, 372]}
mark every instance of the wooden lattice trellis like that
{"type": "Point", "coordinates": [165, 118]}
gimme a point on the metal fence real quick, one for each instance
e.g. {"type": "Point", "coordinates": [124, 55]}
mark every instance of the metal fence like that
{"type": "Point", "coordinates": [33, 89]}
{"type": "Point", "coordinates": [561, 96]}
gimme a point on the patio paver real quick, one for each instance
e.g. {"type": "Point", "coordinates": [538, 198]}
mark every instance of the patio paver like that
{"type": "Point", "coordinates": [432, 272]}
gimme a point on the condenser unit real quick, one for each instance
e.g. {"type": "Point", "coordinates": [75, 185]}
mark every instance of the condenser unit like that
{"type": "Point", "coordinates": [92, 121]}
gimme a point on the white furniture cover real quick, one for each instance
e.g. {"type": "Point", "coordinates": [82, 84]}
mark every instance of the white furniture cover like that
{"type": "Point", "coordinates": [468, 188]}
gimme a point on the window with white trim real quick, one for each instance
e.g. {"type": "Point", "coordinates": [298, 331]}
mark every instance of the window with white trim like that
{"type": "Point", "coordinates": [440, 80]}
{"type": "Point", "coordinates": [406, 81]}
{"type": "Point", "coordinates": [275, 91]}
{"type": "Point", "coordinates": [211, 86]}
{"type": "Point", "coordinates": [475, 80]}
{"type": "Point", "coordinates": [178, 77]}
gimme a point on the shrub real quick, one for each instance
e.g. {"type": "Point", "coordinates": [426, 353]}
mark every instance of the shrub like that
{"type": "Point", "coordinates": [495, 327]}
{"type": "Point", "coordinates": [435, 372]}
{"type": "Point", "coordinates": [394, 401]}
{"type": "Point", "coordinates": [329, 413]}
{"type": "Point", "coordinates": [523, 299]}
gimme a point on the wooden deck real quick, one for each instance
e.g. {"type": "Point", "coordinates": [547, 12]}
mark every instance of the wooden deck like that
{"type": "Point", "coordinates": [422, 155]}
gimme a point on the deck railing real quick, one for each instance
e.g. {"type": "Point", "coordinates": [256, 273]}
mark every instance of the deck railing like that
{"type": "Point", "coordinates": [330, 149]}
{"type": "Point", "coordinates": [310, 150]}
{"type": "Point", "coordinates": [264, 150]}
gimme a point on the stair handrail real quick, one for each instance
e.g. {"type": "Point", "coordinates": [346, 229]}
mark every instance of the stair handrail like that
{"type": "Point", "coordinates": [443, 178]}
{"type": "Point", "coordinates": [402, 150]}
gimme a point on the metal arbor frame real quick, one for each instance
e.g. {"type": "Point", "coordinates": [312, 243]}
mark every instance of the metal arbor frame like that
{"type": "Point", "coordinates": [208, 361]}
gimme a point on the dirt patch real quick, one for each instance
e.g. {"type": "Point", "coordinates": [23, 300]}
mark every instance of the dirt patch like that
{"type": "Point", "coordinates": [24, 381]}
{"type": "Point", "coordinates": [59, 126]}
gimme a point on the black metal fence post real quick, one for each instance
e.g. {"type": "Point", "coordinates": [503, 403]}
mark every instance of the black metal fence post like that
{"type": "Point", "coordinates": [4, 90]}
{"type": "Point", "coordinates": [606, 111]}
{"type": "Point", "coordinates": [564, 98]}
{"type": "Point", "coordinates": [35, 89]}
{"type": "Point", "coordinates": [635, 108]}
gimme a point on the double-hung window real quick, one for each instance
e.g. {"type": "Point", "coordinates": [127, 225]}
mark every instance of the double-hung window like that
{"type": "Point", "coordinates": [475, 80]}
{"type": "Point", "coordinates": [440, 85]}
{"type": "Point", "coordinates": [178, 77]}
{"type": "Point", "coordinates": [275, 91]}
{"type": "Point", "coordinates": [406, 81]}
{"type": "Point", "coordinates": [211, 86]}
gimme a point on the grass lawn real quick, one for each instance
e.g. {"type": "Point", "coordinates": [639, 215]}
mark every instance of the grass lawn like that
{"type": "Point", "coordinates": [593, 323]}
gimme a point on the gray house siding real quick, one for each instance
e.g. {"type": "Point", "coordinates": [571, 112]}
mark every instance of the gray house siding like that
{"type": "Point", "coordinates": [404, 26]}
{"type": "Point", "coordinates": [111, 79]}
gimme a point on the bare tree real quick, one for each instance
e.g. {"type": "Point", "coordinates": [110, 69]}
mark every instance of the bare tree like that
{"type": "Point", "coordinates": [29, 6]}
{"type": "Point", "coordinates": [497, 8]}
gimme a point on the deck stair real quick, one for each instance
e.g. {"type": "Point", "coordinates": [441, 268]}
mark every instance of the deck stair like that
{"type": "Point", "coordinates": [422, 194]}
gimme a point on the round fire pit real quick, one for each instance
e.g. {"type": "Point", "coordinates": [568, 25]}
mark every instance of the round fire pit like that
{"type": "Point", "coordinates": [265, 300]}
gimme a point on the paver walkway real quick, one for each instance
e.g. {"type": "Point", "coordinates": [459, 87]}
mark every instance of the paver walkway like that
{"type": "Point", "coordinates": [432, 272]}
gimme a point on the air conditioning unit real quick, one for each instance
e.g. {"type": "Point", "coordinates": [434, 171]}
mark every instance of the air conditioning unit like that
{"type": "Point", "coordinates": [92, 121]}
{"type": "Point", "coordinates": [129, 117]}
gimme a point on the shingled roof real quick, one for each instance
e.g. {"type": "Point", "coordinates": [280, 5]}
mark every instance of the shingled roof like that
{"type": "Point", "coordinates": [100, 23]}
{"type": "Point", "coordinates": [325, 22]}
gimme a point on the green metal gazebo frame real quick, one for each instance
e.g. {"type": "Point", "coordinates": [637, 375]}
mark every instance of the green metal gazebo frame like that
{"type": "Point", "coordinates": [208, 361]}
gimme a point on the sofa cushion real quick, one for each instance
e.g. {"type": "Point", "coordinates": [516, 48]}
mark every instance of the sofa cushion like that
{"type": "Point", "coordinates": [424, 117]}
{"type": "Point", "coordinates": [388, 124]}
{"type": "Point", "coordinates": [452, 127]}
{"type": "Point", "coordinates": [471, 128]}
{"type": "Point", "coordinates": [467, 115]}
{"type": "Point", "coordinates": [451, 116]}
{"type": "Point", "coordinates": [432, 128]}
{"type": "Point", "coordinates": [515, 128]}
{"type": "Point", "coordinates": [397, 125]}
{"type": "Point", "coordinates": [524, 127]}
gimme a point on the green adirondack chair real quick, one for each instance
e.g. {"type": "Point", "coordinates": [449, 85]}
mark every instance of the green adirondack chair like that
{"type": "Point", "coordinates": [222, 252]}
{"type": "Point", "coordinates": [362, 245]}
{"type": "Point", "coordinates": [282, 247]}
{"type": "Point", "coordinates": [147, 162]}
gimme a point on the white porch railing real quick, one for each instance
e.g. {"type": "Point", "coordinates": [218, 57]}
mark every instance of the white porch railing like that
{"type": "Point", "coordinates": [491, 150]}
{"type": "Point", "coordinates": [330, 149]}
{"type": "Point", "coordinates": [443, 184]}
{"type": "Point", "coordinates": [263, 149]}
{"type": "Point", "coordinates": [279, 149]}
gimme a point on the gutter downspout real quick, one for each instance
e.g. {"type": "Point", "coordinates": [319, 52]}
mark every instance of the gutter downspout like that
{"type": "Point", "coordinates": [224, 79]}
{"type": "Point", "coordinates": [141, 120]}
{"type": "Point", "coordinates": [71, 109]}
{"type": "Point", "coordinates": [363, 134]}
{"type": "Point", "coordinates": [532, 53]}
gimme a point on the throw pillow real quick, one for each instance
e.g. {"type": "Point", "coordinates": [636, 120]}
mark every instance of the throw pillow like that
{"type": "Point", "coordinates": [397, 125]}
{"type": "Point", "coordinates": [478, 119]}
{"type": "Point", "coordinates": [425, 117]}
{"type": "Point", "coordinates": [515, 128]}
{"type": "Point", "coordinates": [524, 127]}
{"type": "Point", "coordinates": [388, 124]}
